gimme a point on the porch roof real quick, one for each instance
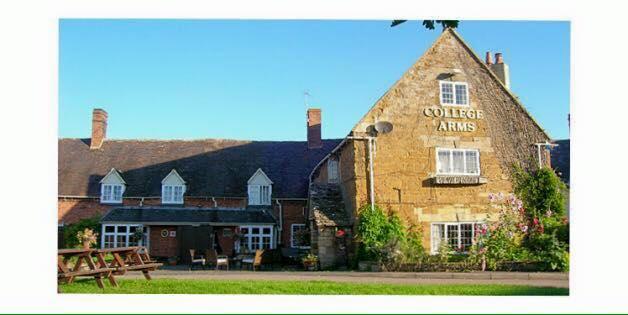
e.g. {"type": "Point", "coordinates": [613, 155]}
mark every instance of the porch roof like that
{"type": "Point", "coordinates": [181, 215]}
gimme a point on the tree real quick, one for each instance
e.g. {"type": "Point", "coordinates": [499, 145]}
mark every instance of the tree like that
{"type": "Point", "coordinates": [430, 24]}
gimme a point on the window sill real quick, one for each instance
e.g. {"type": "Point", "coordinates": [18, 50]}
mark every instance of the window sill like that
{"type": "Point", "coordinates": [459, 180]}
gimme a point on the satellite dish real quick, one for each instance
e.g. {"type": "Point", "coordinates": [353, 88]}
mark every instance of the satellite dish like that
{"type": "Point", "coordinates": [383, 127]}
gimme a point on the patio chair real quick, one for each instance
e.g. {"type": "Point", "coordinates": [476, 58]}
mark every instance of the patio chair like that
{"type": "Point", "coordinates": [255, 261]}
{"type": "Point", "coordinates": [196, 260]}
{"type": "Point", "coordinates": [213, 259]}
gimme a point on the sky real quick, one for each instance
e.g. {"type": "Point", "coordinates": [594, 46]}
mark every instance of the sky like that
{"type": "Point", "coordinates": [245, 79]}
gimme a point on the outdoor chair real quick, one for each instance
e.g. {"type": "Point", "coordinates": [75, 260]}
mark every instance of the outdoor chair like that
{"type": "Point", "coordinates": [196, 260]}
{"type": "Point", "coordinates": [213, 259]}
{"type": "Point", "coordinates": [255, 261]}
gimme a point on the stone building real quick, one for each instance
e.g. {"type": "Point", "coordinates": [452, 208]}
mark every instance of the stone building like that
{"type": "Point", "coordinates": [431, 149]}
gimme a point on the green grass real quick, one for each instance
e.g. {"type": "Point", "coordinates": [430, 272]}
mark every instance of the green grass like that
{"type": "Point", "coordinates": [185, 286]}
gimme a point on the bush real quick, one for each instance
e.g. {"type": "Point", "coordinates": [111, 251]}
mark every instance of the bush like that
{"type": "Point", "coordinates": [70, 231]}
{"type": "Point", "coordinates": [541, 191]}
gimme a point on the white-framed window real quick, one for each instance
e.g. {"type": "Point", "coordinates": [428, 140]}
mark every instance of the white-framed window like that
{"type": "Point", "coordinates": [457, 161]}
{"type": "Point", "coordinates": [111, 193]}
{"type": "Point", "coordinates": [256, 237]}
{"type": "Point", "coordinates": [459, 235]}
{"type": "Point", "coordinates": [332, 171]}
{"type": "Point", "coordinates": [298, 236]}
{"type": "Point", "coordinates": [124, 235]}
{"type": "Point", "coordinates": [259, 194]}
{"type": "Point", "coordinates": [172, 194]}
{"type": "Point", "coordinates": [454, 93]}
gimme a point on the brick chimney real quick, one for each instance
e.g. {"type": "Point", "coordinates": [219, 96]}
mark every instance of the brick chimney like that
{"type": "Point", "coordinates": [314, 140]}
{"type": "Point", "coordinates": [99, 128]}
{"type": "Point", "coordinates": [500, 68]}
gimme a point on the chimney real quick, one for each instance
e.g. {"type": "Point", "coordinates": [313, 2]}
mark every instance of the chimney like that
{"type": "Point", "coordinates": [501, 69]}
{"type": "Point", "coordinates": [99, 128]}
{"type": "Point", "coordinates": [489, 60]}
{"type": "Point", "coordinates": [314, 128]}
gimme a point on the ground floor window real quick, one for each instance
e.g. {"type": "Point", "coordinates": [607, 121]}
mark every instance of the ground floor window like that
{"type": "Point", "coordinates": [299, 236]}
{"type": "Point", "coordinates": [256, 237]}
{"type": "Point", "coordinates": [124, 235]}
{"type": "Point", "coordinates": [459, 236]}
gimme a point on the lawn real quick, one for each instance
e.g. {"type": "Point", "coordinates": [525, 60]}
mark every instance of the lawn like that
{"type": "Point", "coordinates": [188, 286]}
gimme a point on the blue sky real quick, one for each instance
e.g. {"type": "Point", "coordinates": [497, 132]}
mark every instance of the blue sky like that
{"type": "Point", "coordinates": [244, 79]}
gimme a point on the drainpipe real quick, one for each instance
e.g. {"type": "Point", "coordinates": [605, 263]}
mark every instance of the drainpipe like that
{"type": "Point", "coordinates": [215, 203]}
{"type": "Point", "coordinates": [280, 228]}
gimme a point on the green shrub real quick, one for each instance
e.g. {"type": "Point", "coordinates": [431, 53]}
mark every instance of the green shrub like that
{"type": "Point", "coordinates": [69, 232]}
{"type": "Point", "coordinates": [541, 191]}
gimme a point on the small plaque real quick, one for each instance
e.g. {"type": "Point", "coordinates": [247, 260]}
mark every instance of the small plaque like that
{"type": "Point", "coordinates": [173, 233]}
{"type": "Point", "coordinates": [459, 180]}
{"type": "Point", "coordinates": [164, 233]}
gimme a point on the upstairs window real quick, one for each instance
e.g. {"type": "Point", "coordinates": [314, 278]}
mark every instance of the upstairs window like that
{"type": "Point", "coordinates": [172, 194]}
{"type": "Point", "coordinates": [259, 188]}
{"type": "Point", "coordinates": [454, 93]}
{"type": "Point", "coordinates": [457, 161]}
{"type": "Point", "coordinates": [111, 193]}
{"type": "Point", "coordinates": [332, 171]}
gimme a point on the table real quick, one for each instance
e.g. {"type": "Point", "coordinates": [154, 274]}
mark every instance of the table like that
{"type": "Point", "coordinates": [127, 259]}
{"type": "Point", "coordinates": [90, 269]}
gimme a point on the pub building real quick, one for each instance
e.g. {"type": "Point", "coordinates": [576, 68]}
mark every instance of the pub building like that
{"type": "Point", "coordinates": [431, 149]}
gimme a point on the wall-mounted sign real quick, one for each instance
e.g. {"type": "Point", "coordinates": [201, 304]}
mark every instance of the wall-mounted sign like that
{"type": "Point", "coordinates": [173, 233]}
{"type": "Point", "coordinates": [164, 233]}
{"type": "Point", "coordinates": [457, 113]}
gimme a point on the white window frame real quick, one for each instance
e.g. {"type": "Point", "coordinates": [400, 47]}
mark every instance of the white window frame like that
{"type": "Point", "coordinates": [262, 197]}
{"type": "Point", "coordinates": [249, 236]}
{"type": "Point", "coordinates": [112, 199]}
{"type": "Point", "coordinates": [434, 249]}
{"type": "Point", "coordinates": [172, 200]}
{"type": "Point", "coordinates": [464, 159]}
{"type": "Point", "coordinates": [332, 171]}
{"type": "Point", "coordinates": [127, 235]}
{"type": "Point", "coordinates": [453, 87]}
{"type": "Point", "coordinates": [292, 226]}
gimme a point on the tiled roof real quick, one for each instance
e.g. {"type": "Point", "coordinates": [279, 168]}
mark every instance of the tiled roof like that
{"type": "Point", "coordinates": [211, 167]}
{"type": "Point", "coordinates": [327, 207]}
{"type": "Point", "coordinates": [173, 215]}
{"type": "Point", "coordinates": [560, 159]}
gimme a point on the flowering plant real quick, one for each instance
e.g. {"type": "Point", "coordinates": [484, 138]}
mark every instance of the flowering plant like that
{"type": "Point", "coordinates": [87, 237]}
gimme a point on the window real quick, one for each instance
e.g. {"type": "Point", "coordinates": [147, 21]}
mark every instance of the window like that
{"type": "Point", "coordinates": [454, 93]}
{"type": "Point", "coordinates": [459, 236]}
{"type": "Point", "coordinates": [124, 235]}
{"type": "Point", "coordinates": [457, 161]}
{"type": "Point", "coordinates": [332, 171]}
{"type": "Point", "coordinates": [172, 194]}
{"type": "Point", "coordinates": [111, 193]}
{"type": "Point", "coordinates": [259, 194]}
{"type": "Point", "coordinates": [256, 237]}
{"type": "Point", "coordinates": [300, 236]}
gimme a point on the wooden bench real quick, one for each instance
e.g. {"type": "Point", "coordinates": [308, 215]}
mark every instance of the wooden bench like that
{"type": "Point", "coordinates": [127, 259]}
{"type": "Point", "coordinates": [90, 269]}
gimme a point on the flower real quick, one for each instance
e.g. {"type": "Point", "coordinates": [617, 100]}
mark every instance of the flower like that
{"type": "Point", "coordinates": [500, 196]}
{"type": "Point", "coordinates": [548, 213]}
{"type": "Point", "coordinates": [524, 229]}
{"type": "Point", "coordinates": [535, 222]}
{"type": "Point", "coordinates": [491, 197]}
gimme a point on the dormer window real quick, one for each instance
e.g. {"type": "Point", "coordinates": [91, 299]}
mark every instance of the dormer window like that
{"type": "Point", "coordinates": [172, 188]}
{"type": "Point", "coordinates": [454, 93]}
{"type": "Point", "coordinates": [260, 189]}
{"type": "Point", "coordinates": [112, 187]}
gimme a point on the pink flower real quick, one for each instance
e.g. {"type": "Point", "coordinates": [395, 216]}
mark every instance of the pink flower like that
{"type": "Point", "coordinates": [535, 222]}
{"type": "Point", "coordinates": [491, 197]}
{"type": "Point", "coordinates": [524, 229]}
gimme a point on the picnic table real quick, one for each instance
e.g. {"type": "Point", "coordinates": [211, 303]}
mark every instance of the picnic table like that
{"type": "Point", "coordinates": [84, 267]}
{"type": "Point", "coordinates": [125, 259]}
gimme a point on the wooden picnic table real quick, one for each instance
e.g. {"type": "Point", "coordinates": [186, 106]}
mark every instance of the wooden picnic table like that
{"type": "Point", "coordinates": [125, 259]}
{"type": "Point", "coordinates": [67, 273]}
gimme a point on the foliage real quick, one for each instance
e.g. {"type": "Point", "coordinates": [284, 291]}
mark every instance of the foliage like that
{"type": "Point", "coordinates": [309, 259]}
{"type": "Point", "coordinates": [386, 239]}
{"type": "Point", "coordinates": [87, 236]}
{"type": "Point", "coordinates": [70, 231]}
{"type": "Point", "coordinates": [300, 287]}
{"type": "Point", "coordinates": [541, 191]}
{"type": "Point", "coordinates": [430, 24]}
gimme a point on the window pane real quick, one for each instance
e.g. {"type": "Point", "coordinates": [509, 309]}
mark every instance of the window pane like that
{"type": "Point", "coordinates": [117, 192]}
{"type": "Point", "coordinates": [458, 157]}
{"type": "Point", "coordinates": [443, 161]}
{"type": "Point", "coordinates": [121, 241]}
{"type": "Point", "coordinates": [109, 229]}
{"type": "Point", "coordinates": [108, 240]}
{"type": "Point", "coordinates": [466, 236]}
{"type": "Point", "coordinates": [461, 94]}
{"type": "Point", "coordinates": [106, 195]}
{"type": "Point", "coordinates": [167, 193]}
{"type": "Point", "coordinates": [255, 231]}
{"type": "Point", "coordinates": [447, 93]}
{"type": "Point", "coordinates": [266, 231]}
{"type": "Point", "coordinates": [438, 234]}
{"type": "Point", "coordinates": [472, 162]}
{"type": "Point", "coordinates": [121, 228]}
{"type": "Point", "coordinates": [266, 242]}
{"type": "Point", "coordinates": [178, 193]}
{"type": "Point", "coordinates": [452, 236]}
{"type": "Point", "coordinates": [255, 242]}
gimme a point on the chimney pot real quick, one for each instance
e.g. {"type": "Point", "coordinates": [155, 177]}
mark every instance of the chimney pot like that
{"type": "Point", "coordinates": [489, 59]}
{"type": "Point", "coordinates": [499, 58]}
{"type": "Point", "coordinates": [314, 140]}
{"type": "Point", "coordinates": [99, 128]}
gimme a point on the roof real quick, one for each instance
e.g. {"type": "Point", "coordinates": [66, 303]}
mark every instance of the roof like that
{"type": "Point", "coordinates": [560, 159]}
{"type": "Point", "coordinates": [173, 215]}
{"type": "Point", "coordinates": [327, 207]}
{"type": "Point", "coordinates": [210, 167]}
